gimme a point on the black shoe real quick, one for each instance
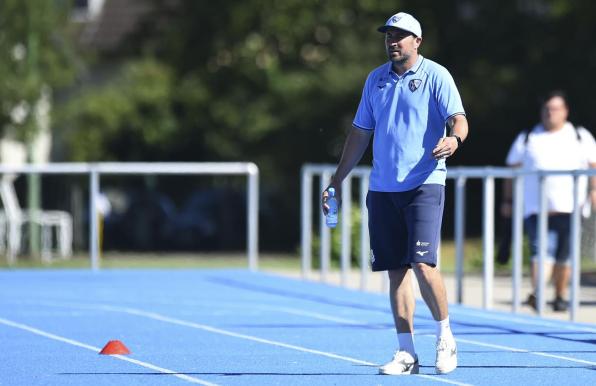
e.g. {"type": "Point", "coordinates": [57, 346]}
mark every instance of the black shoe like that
{"type": "Point", "coordinates": [532, 301]}
{"type": "Point", "coordinates": [560, 304]}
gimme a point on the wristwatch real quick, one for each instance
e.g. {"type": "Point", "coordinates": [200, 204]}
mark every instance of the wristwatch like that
{"type": "Point", "coordinates": [459, 142]}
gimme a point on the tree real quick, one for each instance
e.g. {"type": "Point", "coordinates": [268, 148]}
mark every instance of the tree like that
{"type": "Point", "coordinates": [277, 82]}
{"type": "Point", "coordinates": [38, 58]}
{"type": "Point", "coordinates": [130, 118]}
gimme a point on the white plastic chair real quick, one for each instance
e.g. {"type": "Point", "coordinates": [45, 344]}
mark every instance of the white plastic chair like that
{"type": "Point", "coordinates": [13, 218]}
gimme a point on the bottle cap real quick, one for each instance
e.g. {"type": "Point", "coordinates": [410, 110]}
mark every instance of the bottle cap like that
{"type": "Point", "coordinates": [331, 191]}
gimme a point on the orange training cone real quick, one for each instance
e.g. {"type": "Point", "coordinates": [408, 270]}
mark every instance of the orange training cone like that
{"type": "Point", "coordinates": [114, 347]}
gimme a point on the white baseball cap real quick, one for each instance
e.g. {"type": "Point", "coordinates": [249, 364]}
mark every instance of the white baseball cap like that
{"type": "Point", "coordinates": [403, 21]}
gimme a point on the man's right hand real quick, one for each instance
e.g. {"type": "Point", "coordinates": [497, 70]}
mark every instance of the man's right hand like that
{"type": "Point", "coordinates": [325, 196]}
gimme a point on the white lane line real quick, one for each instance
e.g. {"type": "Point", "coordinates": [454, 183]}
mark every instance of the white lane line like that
{"type": "Point", "coordinates": [316, 315]}
{"type": "Point", "coordinates": [518, 320]}
{"type": "Point", "coordinates": [180, 322]}
{"type": "Point", "coordinates": [514, 349]}
{"type": "Point", "coordinates": [167, 319]}
{"type": "Point", "coordinates": [469, 341]}
{"type": "Point", "coordinates": [478, 314]}
{"type": "Point", "coordinates": [441, 380]}
{"type": "Point", "coordinates": [473, 342]}
{"type": "Point", "coordinates": [155, 316]}
{"type": "Point", "coordinates": [320, 316]}
{"type": "Point", "coordinates": [97, 350]}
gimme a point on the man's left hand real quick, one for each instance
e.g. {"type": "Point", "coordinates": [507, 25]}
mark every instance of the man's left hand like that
{"type": "Point", "coordinates": [445, 148]}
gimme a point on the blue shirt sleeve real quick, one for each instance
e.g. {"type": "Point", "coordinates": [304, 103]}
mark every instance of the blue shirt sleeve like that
{"type": "Point", "coordinates": [448, 99]}
{"type": "Point", "coordinates": [364, 118]}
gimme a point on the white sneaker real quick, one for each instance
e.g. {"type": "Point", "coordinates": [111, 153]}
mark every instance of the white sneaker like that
{"type": "Point", "coordinates": [402, 363]}
{"type": "Point", "coordinates": [446, 356]}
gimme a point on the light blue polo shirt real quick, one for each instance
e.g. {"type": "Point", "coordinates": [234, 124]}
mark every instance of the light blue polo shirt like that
{"type": "Point", "coordinates": [408, 114]}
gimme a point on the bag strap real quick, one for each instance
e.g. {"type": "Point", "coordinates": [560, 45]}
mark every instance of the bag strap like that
{"type": "Point", "coordinates": [528, 131]}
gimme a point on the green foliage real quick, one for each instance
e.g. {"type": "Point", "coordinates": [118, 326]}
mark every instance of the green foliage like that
{"type": "Point", "coordinates": [356, 214]}
{"type": "Point", "coordinates": [271, 72]}
{"type": "Point", "coordinates": [126, 119]}
{"type": "Point", "coordinates": [37, 53]}
{"type": "Point", "coordinates": [277, 82]}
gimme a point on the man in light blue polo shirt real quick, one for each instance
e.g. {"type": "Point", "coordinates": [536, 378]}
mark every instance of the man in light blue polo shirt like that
{"type": "Point", "coordinates": [412, 109]}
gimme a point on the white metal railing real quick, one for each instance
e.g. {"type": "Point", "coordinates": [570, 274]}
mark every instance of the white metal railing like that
{"type": "Point", "coordinates": [461, 175]}
{"type": "Point", "coordinates": [95, 170]}
{"type": "Point", "coordinates": [324, 172]}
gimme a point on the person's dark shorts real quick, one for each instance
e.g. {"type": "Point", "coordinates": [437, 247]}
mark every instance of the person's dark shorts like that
{"type": "Point", "coordinates": [557, 249]}
{"type": "Point", "coordinates": [405, 227]}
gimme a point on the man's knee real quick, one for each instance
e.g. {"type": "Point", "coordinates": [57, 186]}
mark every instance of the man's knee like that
{"type": "Point", "coordinates": [397, 275]}
{"type": "Point", "coordinates": [423, 268]}
{"type": "Point", "coordinates": [562, 265]}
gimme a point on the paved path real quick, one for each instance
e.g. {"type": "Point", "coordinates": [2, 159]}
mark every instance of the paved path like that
{"type": "Point", "coordinates": [472, 292]}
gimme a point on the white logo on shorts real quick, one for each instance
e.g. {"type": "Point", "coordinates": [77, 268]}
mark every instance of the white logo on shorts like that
{"type": "Point", "coordinates": [421, 253]}
{"type": "Point", "coordinates": [422, 243]}
{"type": "Point", "coordinates": [372, 256]}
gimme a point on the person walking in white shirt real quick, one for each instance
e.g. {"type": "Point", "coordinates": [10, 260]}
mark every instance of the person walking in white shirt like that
{"type": "Point", "coordinates": [554, 144]}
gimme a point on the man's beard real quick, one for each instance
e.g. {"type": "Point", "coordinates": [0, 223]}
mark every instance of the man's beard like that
{"type": "Point", "coordinates": [401, 60]}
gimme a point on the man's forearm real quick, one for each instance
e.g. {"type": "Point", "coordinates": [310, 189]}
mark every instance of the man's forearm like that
{"type": "Point", "coordinates": [593, 178]}
{"type": "Point", "coordinates": [458, 124]}
{"type": "Point", "coordinates": [507, 190]}
{"type": "Point", "coordinates": [354, 147]}
{"type": "Point", "coordinates": [508, 185]}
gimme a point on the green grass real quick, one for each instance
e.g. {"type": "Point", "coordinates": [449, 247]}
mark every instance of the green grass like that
{"type": "Point", "coordinates": [473, 258]}
{"type": "Point", "coordinates": [162, 261]}
{"type": "Point", "coordinates": [473, 261]}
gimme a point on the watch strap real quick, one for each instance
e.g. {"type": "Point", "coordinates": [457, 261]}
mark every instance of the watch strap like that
{"type": "Point", "coordinates": [458, 139]}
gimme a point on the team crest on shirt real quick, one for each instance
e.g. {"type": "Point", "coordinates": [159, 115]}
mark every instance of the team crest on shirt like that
{"type": "Point", "coordinates": [414, 84]}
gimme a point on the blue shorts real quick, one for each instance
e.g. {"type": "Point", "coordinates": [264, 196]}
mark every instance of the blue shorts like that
{"type": "Point", "coordinates": [557, 239]}
{"type": "Point", "coordinates": [405, 227]}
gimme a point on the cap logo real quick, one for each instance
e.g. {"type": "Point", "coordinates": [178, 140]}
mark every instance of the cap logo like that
{"type": "Point", "coordinates": [395, 19]}
{"type": "Point", "coordinates": [414, 84]}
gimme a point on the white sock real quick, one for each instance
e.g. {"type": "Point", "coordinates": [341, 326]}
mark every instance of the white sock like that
{"type": "Point", "coordinates": [406, 342]}
{"type": "Point", "coordinates": [443, 329]}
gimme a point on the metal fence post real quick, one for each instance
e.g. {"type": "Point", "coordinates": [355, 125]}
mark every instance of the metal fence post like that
{"type": "Point", "coordinates": [364, 237]}
{"type": "Point", "coordinates": [325, 233]}
{"type": "Point", "coordinates": [575, 240]}
{"type": "Point", "coordinates": [94, 229]}
{"type": "Point", "coordinates": [306, 218]}
{"type": "Point", "coordinates": [346, 229]}
{"type": "Point", "coordinates": [252, 226]}
{"type": "Point", "coordinates": [488, 239]}
{"type": "Point", "coordinates": [542, 244]}
{"type": "Point", "coordinates": [460, 219]}
{"type": "Point", "coordinates": [517, 239]}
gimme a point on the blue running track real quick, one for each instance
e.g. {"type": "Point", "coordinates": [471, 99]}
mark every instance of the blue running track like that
{"type": "Point", "coordinates": [234, 327]}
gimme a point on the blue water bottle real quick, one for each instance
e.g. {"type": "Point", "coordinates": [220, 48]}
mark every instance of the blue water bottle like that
{"type": "Point", "coordinates": [331, 219]}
